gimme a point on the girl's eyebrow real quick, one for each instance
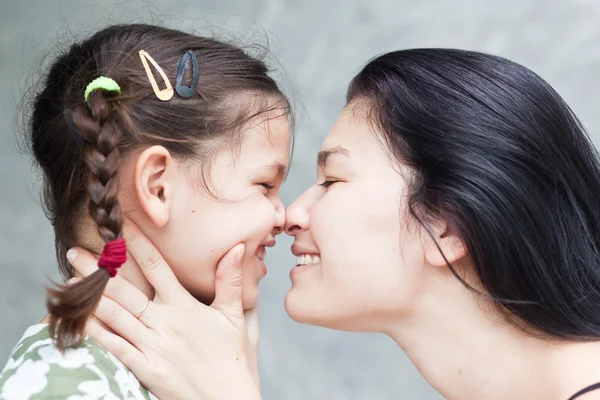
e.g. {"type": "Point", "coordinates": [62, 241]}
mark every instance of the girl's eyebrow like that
{"type": "Point", "coordinates": [281, 169]}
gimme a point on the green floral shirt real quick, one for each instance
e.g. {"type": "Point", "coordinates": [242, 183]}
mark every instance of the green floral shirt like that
{"type": "Point", "coordinates": [37, 370]}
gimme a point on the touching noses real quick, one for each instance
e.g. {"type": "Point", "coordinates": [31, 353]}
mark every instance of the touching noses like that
{"type": "Point", "coordinates": [279, 217]}
{"type": "Point", "coordinates": [297, 215]}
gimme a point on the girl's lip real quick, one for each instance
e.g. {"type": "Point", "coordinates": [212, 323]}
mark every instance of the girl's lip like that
{"type": "Point", "coordinates": [263, 267]}
{"type": "Point", "coordinates": [261, 252]}
{"type": "Point", "coordinates": [268, 243]}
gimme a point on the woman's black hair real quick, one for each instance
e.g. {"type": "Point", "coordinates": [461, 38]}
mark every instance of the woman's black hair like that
{"type": "Point", "coordinates": [499, 156]}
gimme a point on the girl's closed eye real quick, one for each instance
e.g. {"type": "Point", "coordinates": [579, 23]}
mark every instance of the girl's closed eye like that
{"type": "Point", "coordinates": [268, 186]}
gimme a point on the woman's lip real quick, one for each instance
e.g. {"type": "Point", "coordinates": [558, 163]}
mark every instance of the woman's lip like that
{"type": "Point", "coordinates": [298, 269]}
{"type": "Point", "coordinates": [298, 250]}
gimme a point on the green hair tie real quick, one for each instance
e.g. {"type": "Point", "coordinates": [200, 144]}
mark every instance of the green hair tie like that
{"type": "Point", "coordinates": [103, 83]}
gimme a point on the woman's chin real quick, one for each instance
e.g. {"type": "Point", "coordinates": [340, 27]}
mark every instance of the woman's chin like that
{"type": "Point", "coordinates": [302, 307]}
{"type": "Point", "coordinates": [299, 310]}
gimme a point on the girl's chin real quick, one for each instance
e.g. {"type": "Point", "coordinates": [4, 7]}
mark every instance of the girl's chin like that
{"type": "Point", "coordinates": [250, 297]}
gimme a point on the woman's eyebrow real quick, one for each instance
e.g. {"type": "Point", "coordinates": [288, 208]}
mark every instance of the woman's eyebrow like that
{"type": "Point", "coordinates": [324, 154]}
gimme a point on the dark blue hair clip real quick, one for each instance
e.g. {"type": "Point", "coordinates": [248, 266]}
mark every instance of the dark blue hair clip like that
{"type": "Point", "coordinates": [185, 90]}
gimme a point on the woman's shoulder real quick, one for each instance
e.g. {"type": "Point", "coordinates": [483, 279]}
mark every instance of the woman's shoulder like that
{"type": "Point", "coordinates": [36, 369]}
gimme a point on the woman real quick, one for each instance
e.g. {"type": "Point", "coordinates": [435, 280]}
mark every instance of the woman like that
{"type": "Point", "coordinates": [186, 136]}
{"type": "Point", "coordinates": [455, 211]}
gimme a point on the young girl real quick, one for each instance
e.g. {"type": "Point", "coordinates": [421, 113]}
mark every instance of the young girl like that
{"type": "Point", "coordinates": [186, 136]}
{"type": "Point", "coordinates": [456, 210]}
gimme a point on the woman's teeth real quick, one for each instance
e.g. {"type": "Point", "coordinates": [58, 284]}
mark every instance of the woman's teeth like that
{"type": "Point", "coordinates": [307, 259]}
{"type": "Point", "coordinates": [261, 253]}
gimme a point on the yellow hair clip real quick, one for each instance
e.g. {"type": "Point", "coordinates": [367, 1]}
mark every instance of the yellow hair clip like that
{"type": "Point", "coordinates": [165, 94]}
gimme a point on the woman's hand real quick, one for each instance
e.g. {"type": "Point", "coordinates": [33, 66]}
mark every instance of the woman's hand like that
{"type": "Point", "coordinates": [176, 346]}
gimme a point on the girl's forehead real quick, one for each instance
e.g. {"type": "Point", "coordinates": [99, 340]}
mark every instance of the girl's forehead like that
{"type": "Point", "coordinates": [267, 143]}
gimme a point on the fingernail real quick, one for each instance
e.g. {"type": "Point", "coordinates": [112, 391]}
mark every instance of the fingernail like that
{"type": "Point", "coordinates": [71, 255]}
{"type": "Point", "coordinates": [73, 281]}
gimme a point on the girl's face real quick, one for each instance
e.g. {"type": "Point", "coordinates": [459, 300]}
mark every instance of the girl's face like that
{"type": "Point", "coordinates": [359, 258]}
{"type": "Point", "coordinates": [194, 217]}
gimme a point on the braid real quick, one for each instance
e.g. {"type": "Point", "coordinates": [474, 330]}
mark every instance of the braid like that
{"type": "Point", "coordinates": [101, 134]}
{"type": "Point", "coordinates": [71, 306]}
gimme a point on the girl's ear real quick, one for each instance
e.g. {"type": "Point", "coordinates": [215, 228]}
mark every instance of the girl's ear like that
{"type": "Point", "coordinates": [153, 174]}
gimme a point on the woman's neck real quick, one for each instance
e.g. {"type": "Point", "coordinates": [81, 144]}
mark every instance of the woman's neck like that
{"type": "Point", "coordinates": [466, 349]}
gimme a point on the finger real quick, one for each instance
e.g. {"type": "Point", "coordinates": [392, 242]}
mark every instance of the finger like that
{"type": "Point", "coordinates": [73, 281]}
{"type": "Point", "coordinates": [153, 266]}
{"type": "Point", "coordinates": [127, 353]}
{"type": "Point", "coordinates": [121, 321]}
{"type": "Point", "coordinates": [130, 298]}
{"type": "Point", "coordinates": [118, 289]}
{"type": "Point", "coordinates": [228, 285]}
{"type": "Point", "coordinates": [83, 261]}
{"type": "Point", "coordinates": [103, 325]}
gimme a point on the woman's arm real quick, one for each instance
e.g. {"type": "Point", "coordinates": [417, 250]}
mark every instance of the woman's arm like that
{"type": "Point", "coordinates": [177, 347]}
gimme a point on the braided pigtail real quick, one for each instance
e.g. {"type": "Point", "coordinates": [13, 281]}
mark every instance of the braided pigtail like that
{"type": "Point", "coordinates": [99, 126]}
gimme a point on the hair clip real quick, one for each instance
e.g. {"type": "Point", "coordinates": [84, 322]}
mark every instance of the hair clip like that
{"type": "Point", "coordinates": [185, 90]}
{"type": "Point", "coordinates": [165, 94]}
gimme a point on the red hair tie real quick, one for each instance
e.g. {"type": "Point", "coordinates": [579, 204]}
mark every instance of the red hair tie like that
{"type": "Point", "coordinates": [113, 256]}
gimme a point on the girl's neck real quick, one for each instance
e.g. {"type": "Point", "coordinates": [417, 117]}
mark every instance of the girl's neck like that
{"type": "Point", "coordinates": [130, 271]}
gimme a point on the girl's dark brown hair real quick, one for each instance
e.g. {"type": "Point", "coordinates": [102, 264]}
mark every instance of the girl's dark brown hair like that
{"type": "Point", "coordinates": [234, 87]}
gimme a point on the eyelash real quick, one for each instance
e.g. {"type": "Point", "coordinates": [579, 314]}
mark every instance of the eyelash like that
{"type": "Point", "coordinates": [267, 186]}
{"type": "Point", "coordinates": [326, 184]}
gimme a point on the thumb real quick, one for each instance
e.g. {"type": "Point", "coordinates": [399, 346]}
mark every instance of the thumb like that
{"type": "Point", "coordinates": [228, 284]}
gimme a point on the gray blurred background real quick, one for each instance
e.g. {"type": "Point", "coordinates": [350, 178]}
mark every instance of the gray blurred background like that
{"type": "Point", "coordinates": [320, 45]}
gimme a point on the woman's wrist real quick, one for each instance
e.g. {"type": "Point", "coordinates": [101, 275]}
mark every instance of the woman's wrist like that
{"type": "Point", "coordinates": [237, 385]}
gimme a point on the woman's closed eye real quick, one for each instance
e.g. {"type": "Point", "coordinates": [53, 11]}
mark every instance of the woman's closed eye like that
{"type": "Point", "coordinates": [327, 183]}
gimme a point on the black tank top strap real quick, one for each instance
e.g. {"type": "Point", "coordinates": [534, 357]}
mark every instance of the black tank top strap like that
{"type": "Point", "coordinates": [585, 390]}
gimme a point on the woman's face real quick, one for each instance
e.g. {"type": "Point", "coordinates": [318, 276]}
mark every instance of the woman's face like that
{"type": "Point", "coordinates": [194, 220]}
{"type": "Point", "coordinates": [359, 258]}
